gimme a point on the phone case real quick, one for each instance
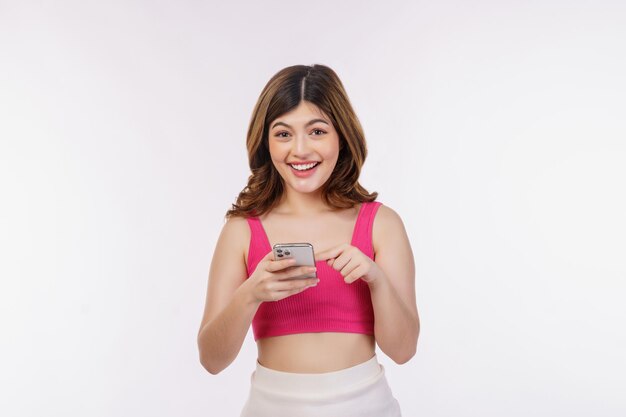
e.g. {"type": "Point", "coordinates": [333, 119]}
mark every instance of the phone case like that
{"type": "Point", "coordinates": [301, 252]}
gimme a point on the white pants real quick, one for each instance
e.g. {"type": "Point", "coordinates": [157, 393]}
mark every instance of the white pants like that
{"type": "Point", "coordinates": [359, 391]}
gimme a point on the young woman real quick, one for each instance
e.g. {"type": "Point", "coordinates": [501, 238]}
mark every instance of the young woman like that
{"type": "Point", "coordinates": [316, 337]}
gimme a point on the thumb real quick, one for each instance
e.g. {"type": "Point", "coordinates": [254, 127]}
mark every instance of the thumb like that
{"type": "Point", "coordinates": [268, 256]}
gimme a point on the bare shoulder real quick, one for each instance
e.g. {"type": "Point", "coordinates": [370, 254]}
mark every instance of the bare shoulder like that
{"type": "Point", "coordinates": [387, 214]}
{"type": "Point", "coordinates": [387, 224]}
{"type": "Point", "coordinates": [237, 233]}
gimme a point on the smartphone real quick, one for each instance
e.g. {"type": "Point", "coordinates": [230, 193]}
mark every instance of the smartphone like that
{"type": "Point", "coordinates": [301, 252]}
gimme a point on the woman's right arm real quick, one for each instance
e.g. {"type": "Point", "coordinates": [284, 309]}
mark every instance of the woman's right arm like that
{"type": "Point", "coordinates": [232, 299]}
{"type": "Point", "coordinates": [229, 308]}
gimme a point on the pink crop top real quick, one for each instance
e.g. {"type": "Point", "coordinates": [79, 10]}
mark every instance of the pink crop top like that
{"type": "Point", "coordinates": [332, 305]}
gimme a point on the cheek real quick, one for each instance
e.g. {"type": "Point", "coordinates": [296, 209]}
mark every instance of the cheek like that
{"type": "Point", "coordinates": [276, 153]}
{"type": "Point", "coordinates": [332, 151]}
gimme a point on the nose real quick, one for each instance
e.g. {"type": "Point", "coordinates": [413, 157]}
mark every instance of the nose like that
{"type": "Point", "coordinates": [300, 145]}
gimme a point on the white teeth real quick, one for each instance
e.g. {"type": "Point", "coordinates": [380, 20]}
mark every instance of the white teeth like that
{"type": "Point", "coordinates": [303, 167]}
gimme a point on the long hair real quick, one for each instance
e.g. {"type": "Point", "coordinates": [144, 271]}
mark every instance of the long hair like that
{"type": "Point", "coordinates": [320, 85]}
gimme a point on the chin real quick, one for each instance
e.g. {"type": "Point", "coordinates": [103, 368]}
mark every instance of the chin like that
{"type": "Point", "coordinates": [307, 190]}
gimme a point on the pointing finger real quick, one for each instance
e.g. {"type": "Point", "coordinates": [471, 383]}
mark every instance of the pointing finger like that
{"type": "Point", "coordinates": [329, 253]}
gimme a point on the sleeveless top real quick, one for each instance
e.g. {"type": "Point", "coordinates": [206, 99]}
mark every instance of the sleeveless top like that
{"type": "Point", "coordinates": [332, 305]}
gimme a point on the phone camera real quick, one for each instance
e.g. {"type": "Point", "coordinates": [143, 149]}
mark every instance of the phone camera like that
{"type": "Point", "coordinates": [287, 252]}
{"type": "Point", "coordinates": [279, 250]}
{"type": "Point", "coordinates": [280, 255]}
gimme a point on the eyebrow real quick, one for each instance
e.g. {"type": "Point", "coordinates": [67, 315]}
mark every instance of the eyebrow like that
{"type": "Point", "coordinates": [309, 123]}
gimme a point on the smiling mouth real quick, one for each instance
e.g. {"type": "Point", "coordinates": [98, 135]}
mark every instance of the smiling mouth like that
{"type": "Point", "coordinates": [304, 167]}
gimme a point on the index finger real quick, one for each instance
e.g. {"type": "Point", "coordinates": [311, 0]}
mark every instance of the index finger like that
{"type": "Point", "coordinates": [328, 254]}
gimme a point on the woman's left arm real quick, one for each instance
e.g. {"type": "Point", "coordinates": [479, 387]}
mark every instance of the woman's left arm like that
{"type": "Point", "coordinates": [397, 323]}
{"type": "Point", "coordinates": [391, 279]}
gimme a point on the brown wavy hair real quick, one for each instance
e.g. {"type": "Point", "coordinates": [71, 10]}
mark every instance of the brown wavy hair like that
{"type": "Point", "coordinates": [320, 85]}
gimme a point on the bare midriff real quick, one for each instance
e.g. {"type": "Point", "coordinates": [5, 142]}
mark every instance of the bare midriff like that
{"type": "Point", "coordinates": [315, 352]}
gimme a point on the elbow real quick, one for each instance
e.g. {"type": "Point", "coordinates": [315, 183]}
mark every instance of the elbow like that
{"type": "Point", "coordinates": [212, 371]}
{"type": "Point", "coordinates": [410, 349]}
{"type": "Point", "coordinates": [404, 357]}
{"type": "Point", "coordinates": [207, 361]}
{"type": "Point", "coordinates": [211, 368]}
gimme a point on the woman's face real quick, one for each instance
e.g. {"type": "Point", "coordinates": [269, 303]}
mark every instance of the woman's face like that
{"type": "Point", "coordinates": [304, 147]}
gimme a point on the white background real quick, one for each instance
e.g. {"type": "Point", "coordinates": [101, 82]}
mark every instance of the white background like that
{"type": "Point", "coordinates": [495, 129]}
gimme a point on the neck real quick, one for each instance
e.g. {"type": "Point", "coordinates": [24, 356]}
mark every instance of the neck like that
{"type": "Point", "coordinates": [299, 204]}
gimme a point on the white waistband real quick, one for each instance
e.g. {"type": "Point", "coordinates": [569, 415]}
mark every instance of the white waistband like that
{"type": "Point", "coordinates": [336, 382]}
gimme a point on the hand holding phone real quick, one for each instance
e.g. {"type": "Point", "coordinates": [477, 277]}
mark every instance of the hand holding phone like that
{"type": "Point", "coordinates": [278, 277]}
{"type": "Point", "coordinates": [301, 252]}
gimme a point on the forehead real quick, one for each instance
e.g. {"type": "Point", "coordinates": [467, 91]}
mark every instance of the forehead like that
{"type": "Point", "coordinates": [304, 112]}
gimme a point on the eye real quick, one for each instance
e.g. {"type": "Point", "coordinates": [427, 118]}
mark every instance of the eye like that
{"type": "Point", "coordinates": [319, 130]}
{"type": "Point", "coordinates": [280, 134]}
